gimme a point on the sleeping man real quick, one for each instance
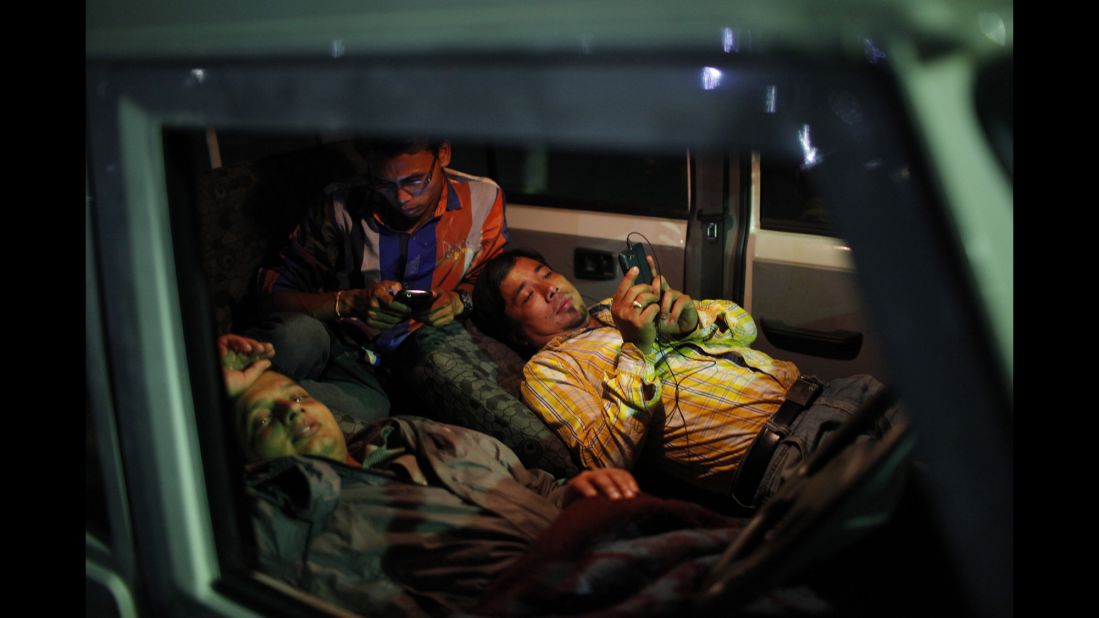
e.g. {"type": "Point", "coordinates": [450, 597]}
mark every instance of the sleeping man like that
{"type": "Point", "coordinates": [652, 372]}
{"type": "Point", "coordinates": [417, 517]}
{"type": "Point", "coordinates": [275, 417]}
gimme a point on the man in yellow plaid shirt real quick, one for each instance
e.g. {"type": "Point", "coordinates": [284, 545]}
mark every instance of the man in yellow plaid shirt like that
{"type": "Point", "coordinates": [654, 373]}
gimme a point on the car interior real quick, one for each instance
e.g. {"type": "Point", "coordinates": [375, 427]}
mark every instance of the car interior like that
{"type": "Point", "coordinates": [801, 195]}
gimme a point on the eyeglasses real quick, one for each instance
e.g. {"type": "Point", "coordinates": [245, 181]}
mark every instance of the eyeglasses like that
{"type": "Point", "coordinates": [412, 187]}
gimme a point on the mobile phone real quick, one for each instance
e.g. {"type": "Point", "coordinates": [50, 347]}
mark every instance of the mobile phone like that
{"type": "Point", "coordinates": [417, 300]}
{"type": "Point", "coordinates": [634, 255]}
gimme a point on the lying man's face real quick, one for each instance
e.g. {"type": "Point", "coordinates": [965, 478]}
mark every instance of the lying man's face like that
{"type": "Point", "coordinates": [541, 302]}
{"type": "Point", "coordinates": [276, 417]}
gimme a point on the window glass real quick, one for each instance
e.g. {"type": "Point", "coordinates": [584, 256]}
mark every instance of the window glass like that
{"type": "Point", "coordinates": [236, 147]}
{"type": "Point", "coordinates": [95, 497]}
{"type": "Point", "coordinates": [996, 109]}
{"type": "Point", "coordinates": [788, 201]}
{"type": "Point", "coordinates": [473, 159]}
{"type": "Point", "coordinates": [581, 179]}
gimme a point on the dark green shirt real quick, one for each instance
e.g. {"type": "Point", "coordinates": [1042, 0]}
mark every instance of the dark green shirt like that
{"type": "Point", "coordinates": [438, 514]}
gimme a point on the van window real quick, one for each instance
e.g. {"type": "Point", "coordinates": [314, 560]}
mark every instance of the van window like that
{"type": "Point", "coordinates": [652, 185]}
{"type": "Point", "coordinates": [788, 201]}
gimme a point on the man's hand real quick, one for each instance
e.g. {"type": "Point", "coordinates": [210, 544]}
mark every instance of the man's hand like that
{"type": "Point", "coordinates": [635, 308]}
{"type": "Point", "coordinates": [678, 316]}
{"type": "Point", "coordinates": [242, 361]}
{"type": "Point", "coordinates": [446, 307]}
{"type": "Point", "coordinates": [614, 483]}
{"type": "Point", "coordinates": [375, 305]}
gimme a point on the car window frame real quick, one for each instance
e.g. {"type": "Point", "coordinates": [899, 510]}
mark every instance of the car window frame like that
{"type": "Point", "coordinates": [135, 213]}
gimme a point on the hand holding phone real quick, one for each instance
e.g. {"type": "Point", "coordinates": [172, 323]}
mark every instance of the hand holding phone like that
{"type": "Point", "coordinates": [372, 304]}
{"type": "Point", "coordinates": [416, 300]}
{"type": "Point", "coordinates": [635, 305]}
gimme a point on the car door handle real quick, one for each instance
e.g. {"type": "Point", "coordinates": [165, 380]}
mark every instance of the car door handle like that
{"type": "Point", "coordinates": [837, 344]}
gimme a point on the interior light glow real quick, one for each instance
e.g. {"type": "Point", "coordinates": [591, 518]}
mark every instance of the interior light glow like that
{"type": "Point", "coordinates": [586, 40]}
{"type": "Point", "coordinates": [992, 25]}
{"type": "Point", "coordinates": [871, 51]}
{"type": "Point", "coordinates": [728, 41]}
{"type": "Point", "coordinates": [711, 78]}
{"type": "Point", "coordinates": [810, 155]}
{"type": "Point", "coordinates": [769, 103]}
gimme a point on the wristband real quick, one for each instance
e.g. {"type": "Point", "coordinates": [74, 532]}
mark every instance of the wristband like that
{"type": "Point", "coordinates": [467, 302]}
{"type": "Point", "coordinates": [338, 316]}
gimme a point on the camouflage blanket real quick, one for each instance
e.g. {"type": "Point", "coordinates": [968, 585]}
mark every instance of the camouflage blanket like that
{"type": "Point", "coordinates": [642, 557]}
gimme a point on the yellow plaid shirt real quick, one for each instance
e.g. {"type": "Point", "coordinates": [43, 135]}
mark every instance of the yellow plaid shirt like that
{"type": "Point", "coordinates": [695, 403]}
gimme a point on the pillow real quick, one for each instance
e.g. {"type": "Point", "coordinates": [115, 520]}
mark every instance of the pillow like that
{"type": "Point", "coordinates": [461, 376]}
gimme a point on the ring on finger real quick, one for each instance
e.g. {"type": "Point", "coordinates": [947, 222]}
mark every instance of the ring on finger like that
{"type": "Point", "coordinates": [638, 305]}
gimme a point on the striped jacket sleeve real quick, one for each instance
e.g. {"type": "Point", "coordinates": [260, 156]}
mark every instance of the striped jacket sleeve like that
{"type": "Point", "coordinates": [314, 252]}
{"type": "Point", "coordinates": [494, 237]}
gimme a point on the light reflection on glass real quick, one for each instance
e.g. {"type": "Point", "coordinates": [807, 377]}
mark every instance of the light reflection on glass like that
{"type": "Point", "coordinates": [900, 175]}
{"type": "Point", "coordinates": [871, 51]}
{"type": "Point", "coordinates": [810, 155]}
{"type": "Point", "coordinates": [338, 48]}
{"type": "Point", "coordinates": [769, 104]}
{"type": "Point", "coordinates": [992, 25]}
{"type": "Point", "coordinates": [711, 78]}
{"type": "Point", "coordinates": [586, 40]}
{"type": "Point", "coordinates": [199, 75]}
{"type": "Point", "coordinates": [728, 41]}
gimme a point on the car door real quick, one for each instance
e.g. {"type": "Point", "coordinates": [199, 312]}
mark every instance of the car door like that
{"type": "Point", "coordinates": [799, 280]}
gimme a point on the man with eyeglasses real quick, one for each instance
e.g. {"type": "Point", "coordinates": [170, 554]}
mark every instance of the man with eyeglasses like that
{"type": "Point", "coordinates": [407, 224]}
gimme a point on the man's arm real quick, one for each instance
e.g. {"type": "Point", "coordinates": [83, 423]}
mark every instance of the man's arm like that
{"type": "Point", "coordinates": [306, 270]}
{"type": "Point", "coordinates": [373, 305]}
{"type": "Point", "coordinates": [603, 418]}
{"type": "Point", "coordinates": [614, 483]}
{"type": "Point", "coordinates": [306, 265]}
{"type": "Point", "coordinates": [448, 305]}
{"type": "Point", "coordinates": [494, 238]}
{"type": "Point", "coordinates": [722, 321]}
{"type": "Point", "coordinates": [477, 449]}
{"type": "Point", "coordinates": [320, 305]}
{"type": "Point", "coordinates": [684, 319]}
